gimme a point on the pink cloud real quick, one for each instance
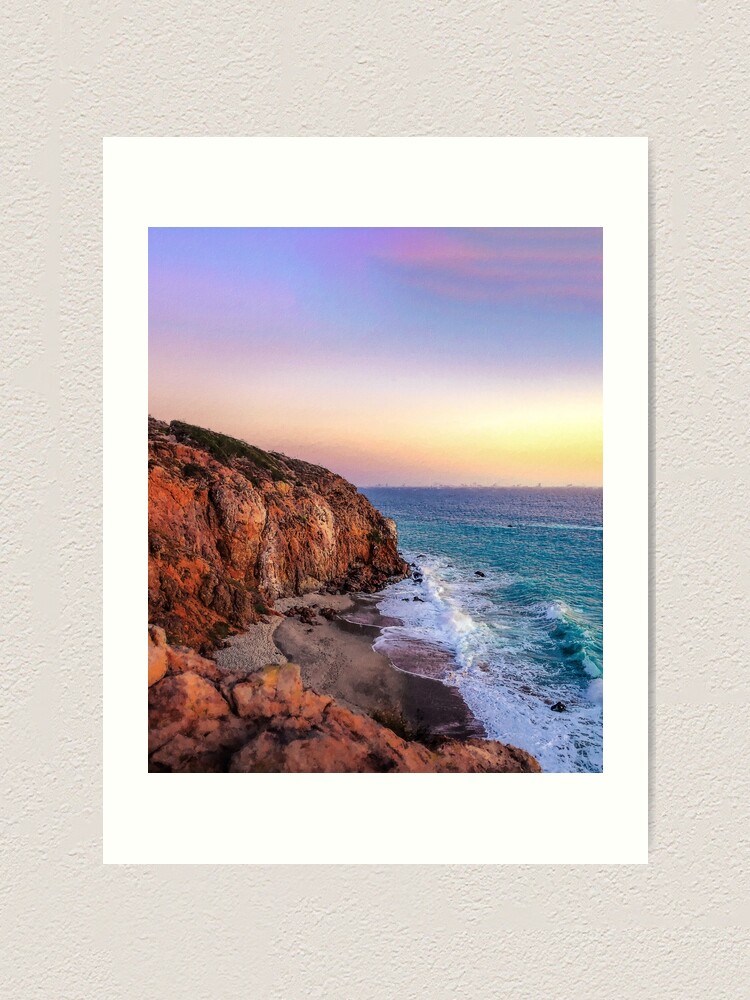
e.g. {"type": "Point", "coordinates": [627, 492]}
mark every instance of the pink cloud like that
{"type": "Point", "coordinates": [501, 265]}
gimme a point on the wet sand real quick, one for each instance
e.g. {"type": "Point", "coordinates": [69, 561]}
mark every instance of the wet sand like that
{"type": "Point", "coordinates": [336, 658]}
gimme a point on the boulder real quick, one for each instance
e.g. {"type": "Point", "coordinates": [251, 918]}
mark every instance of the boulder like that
{"type": "Point", "coordinates": [179, 702]}
{"type": "Point", "coordinates": [157, 654]}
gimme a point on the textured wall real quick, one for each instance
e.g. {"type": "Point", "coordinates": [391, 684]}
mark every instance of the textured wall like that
{"type": "Point", "coordinates": [674, 70]}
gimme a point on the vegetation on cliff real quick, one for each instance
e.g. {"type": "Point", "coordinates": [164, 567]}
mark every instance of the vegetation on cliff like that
{"type": "Point", "coordinates": [232, 527]}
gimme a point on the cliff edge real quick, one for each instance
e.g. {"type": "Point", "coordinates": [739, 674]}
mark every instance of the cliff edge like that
{"type": "Point", "coordinates": [232, 527]}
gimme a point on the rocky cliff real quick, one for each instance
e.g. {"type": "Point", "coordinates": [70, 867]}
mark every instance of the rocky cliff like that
{"type": "Point", "coordinates": [232, 527]}
{"type": "Point", "coordinates": [204, 719]}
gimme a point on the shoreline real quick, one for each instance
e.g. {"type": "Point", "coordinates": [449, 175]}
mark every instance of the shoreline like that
{"type": "Point", "coordinates": [336, 658]}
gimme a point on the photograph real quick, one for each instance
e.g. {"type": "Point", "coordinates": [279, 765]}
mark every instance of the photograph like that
{"type": "Point", "coordinates": [375, 499]}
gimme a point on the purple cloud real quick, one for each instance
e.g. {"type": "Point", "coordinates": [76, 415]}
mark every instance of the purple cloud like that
{"type": "Point", "coordinates": [561, 266]}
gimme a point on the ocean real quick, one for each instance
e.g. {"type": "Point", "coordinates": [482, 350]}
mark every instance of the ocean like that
{"type": "Point", "coordinates": [511, 588]}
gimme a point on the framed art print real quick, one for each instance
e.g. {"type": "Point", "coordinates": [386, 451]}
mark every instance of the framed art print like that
{"type": "Point", "coordinates": [376, 500]}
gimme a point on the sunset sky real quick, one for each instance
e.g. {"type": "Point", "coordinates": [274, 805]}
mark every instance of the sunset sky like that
{"type": "Point", "coordinates": [413, 356]}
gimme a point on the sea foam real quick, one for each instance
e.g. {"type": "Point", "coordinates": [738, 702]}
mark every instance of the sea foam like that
{"type": "Point", "coordinates": [518, 611]}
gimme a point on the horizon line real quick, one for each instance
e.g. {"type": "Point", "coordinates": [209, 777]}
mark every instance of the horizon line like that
{"type": "Point", "coordinates": [389, 486]}
{"type": "Point", "coordinates": [478, 486]}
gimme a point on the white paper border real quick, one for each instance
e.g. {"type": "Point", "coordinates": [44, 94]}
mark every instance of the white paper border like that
{"type": "Point", "coordinates": [376, 818]}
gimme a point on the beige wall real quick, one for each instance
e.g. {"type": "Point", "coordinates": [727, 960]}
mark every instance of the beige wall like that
{"type": "Point", "coordinates": [674, 71]}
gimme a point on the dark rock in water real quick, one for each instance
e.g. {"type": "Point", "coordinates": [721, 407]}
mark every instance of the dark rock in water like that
{"type": "Point", "coordinates": [418, 599]}
{"type": "Point", "coordinates": [418, 578]}
{"type": "Point", "coordinates": [559, 707]}
{"type": "Point", "coordinates": [404, 598]}
{"type": "Point", "coordinates": [479, 573]}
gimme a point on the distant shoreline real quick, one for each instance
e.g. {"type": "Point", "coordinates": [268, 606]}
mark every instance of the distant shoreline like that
{"type": "Point", "coordinates": [474, 486]}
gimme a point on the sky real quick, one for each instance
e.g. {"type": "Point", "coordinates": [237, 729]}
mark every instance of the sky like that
{"type": "Point", "coordinates": [391, 356]}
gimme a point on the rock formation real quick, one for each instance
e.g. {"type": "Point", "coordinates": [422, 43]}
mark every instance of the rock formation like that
{"type": "Point", "coordinates": [205, 719]}
{"type": "Point", "coordinates": [232, 527]}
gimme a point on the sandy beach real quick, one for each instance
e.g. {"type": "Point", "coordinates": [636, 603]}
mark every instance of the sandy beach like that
{"type": "Point", "coordinates": [336, 658]}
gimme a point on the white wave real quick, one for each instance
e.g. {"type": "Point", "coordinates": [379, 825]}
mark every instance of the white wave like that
{"type": "Point", "coordinates": [595, 690]}
{"type": "Point", "coordinates": [495, 671]}
{"type": "Point", "coordinates": [555, 611]}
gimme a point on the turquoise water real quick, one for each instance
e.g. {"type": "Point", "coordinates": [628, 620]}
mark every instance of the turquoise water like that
{"type": "Point", "coordinates": [525, 635]}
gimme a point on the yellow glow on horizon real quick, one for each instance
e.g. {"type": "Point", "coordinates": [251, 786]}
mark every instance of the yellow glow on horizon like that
{"type": "Point", "coordinates": [388, 426]}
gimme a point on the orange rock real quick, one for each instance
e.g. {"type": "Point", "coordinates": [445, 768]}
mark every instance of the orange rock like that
{"type": "Point", "coordinates": [269, 721]}
{"type": "Point", "coordinates": [179, 701]}
{"type": "Point", "coordinates": [232, 527]}
{"type": "Point", "coordinates": [157, 654]}
{"type": "Point", "coordinates": [182, 660]}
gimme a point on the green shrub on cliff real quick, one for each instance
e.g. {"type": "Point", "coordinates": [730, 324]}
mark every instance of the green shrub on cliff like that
{"type": "Point", "coordinates": [395, 720]}
{"type": "Point", "coordinates": [218, 633]}
{"type": "Point", "coordinates": [225, 448]}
